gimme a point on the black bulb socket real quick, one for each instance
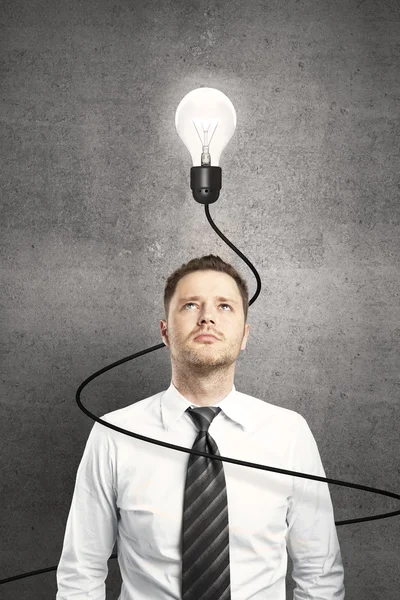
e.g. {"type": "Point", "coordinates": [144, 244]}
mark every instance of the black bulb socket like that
{"type": "Point", "coordinates": [206, 183]}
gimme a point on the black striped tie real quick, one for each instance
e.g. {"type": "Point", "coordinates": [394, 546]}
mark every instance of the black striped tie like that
{"type": "Point", "coordinates": [205, 535]}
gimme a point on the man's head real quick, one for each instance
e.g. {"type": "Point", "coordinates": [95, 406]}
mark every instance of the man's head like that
{"type": "Point", "coordinates": [220, 308]}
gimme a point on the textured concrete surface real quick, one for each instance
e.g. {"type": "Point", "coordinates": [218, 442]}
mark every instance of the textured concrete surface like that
{"type": "Point", "coordinates": [97, 211]}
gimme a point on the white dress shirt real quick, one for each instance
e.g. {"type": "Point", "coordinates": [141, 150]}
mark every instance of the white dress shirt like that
{"type": "Point", "coordinates": [131, 491]}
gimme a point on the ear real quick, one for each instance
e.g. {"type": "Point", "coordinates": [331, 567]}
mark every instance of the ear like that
{"type": "Point", "coordinates": [164, 328]}
{"type": "Point", "coordinates": [246, 335]}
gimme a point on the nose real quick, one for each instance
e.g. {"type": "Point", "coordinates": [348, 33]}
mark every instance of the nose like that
{"type": "Point", "coordinates": [207, 320]}
{"type": "Point", "coordinates": [206, 317]}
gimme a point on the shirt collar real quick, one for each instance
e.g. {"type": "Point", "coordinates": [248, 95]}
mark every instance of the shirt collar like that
{"type": "Point", "coordinates": [173, 406]}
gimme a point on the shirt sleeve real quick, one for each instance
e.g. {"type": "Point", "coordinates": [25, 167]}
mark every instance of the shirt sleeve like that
{"type": "Point", "coordinates": [91, 528]}
{"type": "Point", "coordinates": [312, 540]}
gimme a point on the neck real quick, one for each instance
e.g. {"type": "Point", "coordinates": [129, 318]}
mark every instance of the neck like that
{"type": "Point", "coordinates": [204, 390]}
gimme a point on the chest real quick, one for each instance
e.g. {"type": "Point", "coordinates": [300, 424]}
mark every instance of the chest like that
{"type": "Point", "coordinates": [151, 486]}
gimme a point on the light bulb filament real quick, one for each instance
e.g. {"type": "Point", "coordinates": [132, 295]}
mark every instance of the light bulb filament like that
{"type": "Point", "coordinates": [203, 136]}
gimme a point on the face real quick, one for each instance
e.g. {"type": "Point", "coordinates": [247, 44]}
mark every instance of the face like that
{"type": "Point", "coordinates": [208, 313]}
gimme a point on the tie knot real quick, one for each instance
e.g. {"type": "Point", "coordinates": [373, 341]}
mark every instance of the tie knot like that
{"type": "Point", "coordinates": [203, 416]}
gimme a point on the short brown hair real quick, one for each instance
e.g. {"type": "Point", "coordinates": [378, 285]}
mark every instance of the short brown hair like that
{"type": "Point", "coordinates": [205, 263]}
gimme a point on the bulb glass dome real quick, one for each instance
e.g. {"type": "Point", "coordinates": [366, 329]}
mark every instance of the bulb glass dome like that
{"type": "Point", "coordinates": [205, 121]}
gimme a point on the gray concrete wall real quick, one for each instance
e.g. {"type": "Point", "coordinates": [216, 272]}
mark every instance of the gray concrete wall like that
{"type": "Point", "coordinates": [97, 211]}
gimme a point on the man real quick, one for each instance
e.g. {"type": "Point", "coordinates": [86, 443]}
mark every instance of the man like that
{"type": "Point", "coordinates": [132, 491]}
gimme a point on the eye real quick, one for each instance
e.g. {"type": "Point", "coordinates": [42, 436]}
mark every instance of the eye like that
{"type": "Point", "coordinates": [223, 304]}
{"type": "Point", "coordinates": [226, 305]}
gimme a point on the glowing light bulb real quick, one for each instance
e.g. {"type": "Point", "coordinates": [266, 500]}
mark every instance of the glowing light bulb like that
{"type": "Point", "coordinates": [205, 121]}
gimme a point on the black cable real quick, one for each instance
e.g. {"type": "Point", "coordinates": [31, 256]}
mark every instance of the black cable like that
{"type": "Point", "coordinates": [213, 456]}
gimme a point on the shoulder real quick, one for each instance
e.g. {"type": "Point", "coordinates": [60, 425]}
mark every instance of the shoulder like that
{"type": "Point", "coordinates": [266, 408]}
{"type": "Point", "coordinates": [128, 417]}
{"type": "Point", "coordinates": [266, 412]}
{"type": "Point", "coordinates": [133, 411]}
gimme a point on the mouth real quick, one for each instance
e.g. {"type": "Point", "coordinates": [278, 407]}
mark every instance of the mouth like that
{"type": "Point", "coordinates": [206, 338]}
